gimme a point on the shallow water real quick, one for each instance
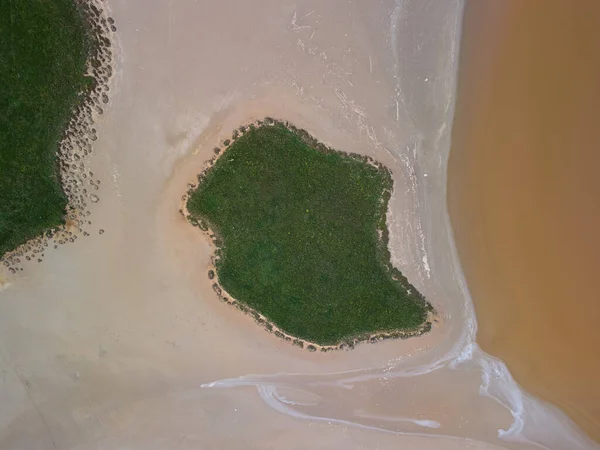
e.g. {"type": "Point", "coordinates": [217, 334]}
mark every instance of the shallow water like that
{"type": "Point", "coordinates": [524, 192]}
{"type": "Point", "coordinates": [120, 342]}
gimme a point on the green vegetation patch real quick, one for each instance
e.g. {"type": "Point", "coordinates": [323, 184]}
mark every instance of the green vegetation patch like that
{"type": "Point", "coordinates": [43, 53]}
{"type": "Point", "coordinates": [302, 237]}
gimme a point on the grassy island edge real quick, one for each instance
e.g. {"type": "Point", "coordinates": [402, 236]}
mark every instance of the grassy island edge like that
{"type": "Point", "coordinates": [215, 243]}
{"type": "Point", "coordinates": [72, 142]}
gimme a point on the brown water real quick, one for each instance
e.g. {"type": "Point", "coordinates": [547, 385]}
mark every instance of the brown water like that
{"type": "Point", "coordinates": [524, 192]}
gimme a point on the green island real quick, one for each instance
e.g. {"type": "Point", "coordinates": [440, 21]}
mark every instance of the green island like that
{"type": "Point", "coordinates": [43, 51]}
{"type": "Point", "coordinates": [301, 238]}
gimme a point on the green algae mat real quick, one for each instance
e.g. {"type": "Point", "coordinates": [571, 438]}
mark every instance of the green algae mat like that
{"type": "Point", "coordinates": [42, 67]}
{"type": "Point", "coordinates": [302, 238]}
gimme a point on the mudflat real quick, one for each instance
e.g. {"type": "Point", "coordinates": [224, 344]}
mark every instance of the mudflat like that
{"type": "Point", "coordinates": [524, 193]}
{"type": "Point", "coordinates": [119, 341]}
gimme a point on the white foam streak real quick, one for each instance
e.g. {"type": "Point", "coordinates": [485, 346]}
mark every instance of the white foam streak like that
{"type": "Point", "coordinates": [269, 394]}
{"type": "Point", "coordinates": [421, 422]}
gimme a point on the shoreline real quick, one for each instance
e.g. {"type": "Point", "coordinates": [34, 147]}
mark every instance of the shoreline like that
{"type": "Point", "coordinates": [260, 319]}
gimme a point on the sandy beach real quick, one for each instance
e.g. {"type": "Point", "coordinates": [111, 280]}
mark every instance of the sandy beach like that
{"type": "Point", "coordinates": [523, 193]}
{"type": "Point", "coordinates": [118, 341]}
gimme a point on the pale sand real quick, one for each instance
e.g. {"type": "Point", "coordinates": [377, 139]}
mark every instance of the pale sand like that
{"type": "Point", "coordinates": [119, 341]}
{"type": "Point", "coordinates": [525, 192]}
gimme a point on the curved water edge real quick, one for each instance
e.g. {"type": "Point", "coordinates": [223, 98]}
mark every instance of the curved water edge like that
{"type": "Point", "coordinates": [427, 114]}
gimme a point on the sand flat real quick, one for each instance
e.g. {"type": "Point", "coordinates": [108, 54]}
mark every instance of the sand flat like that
{"type": "Point", "coordinates": [524, 192]}
{"type": "Point", "coordinates": [119, 341]}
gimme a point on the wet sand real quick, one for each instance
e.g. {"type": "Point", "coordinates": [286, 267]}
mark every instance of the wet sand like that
{"type": "Point", "coordinates": [524, 192]}
{"type": "Point", "coordinates": [119, 341]}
